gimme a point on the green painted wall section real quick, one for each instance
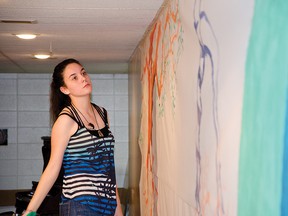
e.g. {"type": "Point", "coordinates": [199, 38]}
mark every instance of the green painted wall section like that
{"type": "Point", "coordinates": [264, 107]}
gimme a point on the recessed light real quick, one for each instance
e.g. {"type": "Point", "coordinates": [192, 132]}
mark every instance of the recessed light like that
{"type": "Point", "coordinates": [42, 56]}
{"type": "Point", "coordinates": [26, 36]}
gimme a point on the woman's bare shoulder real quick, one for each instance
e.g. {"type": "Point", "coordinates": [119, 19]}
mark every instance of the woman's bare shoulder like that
{"type": "Point", "coordinates": [65, 124]}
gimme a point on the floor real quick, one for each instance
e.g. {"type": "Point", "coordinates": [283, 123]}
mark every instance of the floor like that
{"type": "Point", "coordinates": [7, 208]}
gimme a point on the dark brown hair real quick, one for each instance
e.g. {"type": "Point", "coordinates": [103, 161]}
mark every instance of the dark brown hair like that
{"type": "Point", "coordinates": [58, 100]}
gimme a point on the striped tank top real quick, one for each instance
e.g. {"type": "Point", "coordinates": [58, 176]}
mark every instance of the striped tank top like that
{"type": "Point", "coordinates": [88, 163]}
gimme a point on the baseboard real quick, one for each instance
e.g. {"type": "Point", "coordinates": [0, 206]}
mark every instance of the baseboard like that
{"type": "Point", "coordinates": [7, 197]}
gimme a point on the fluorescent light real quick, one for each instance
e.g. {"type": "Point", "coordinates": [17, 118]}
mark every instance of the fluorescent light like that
{"type": "Point", "coordinates": [42, 56]}
{"type": "Point", "coordinates": [26, 36]}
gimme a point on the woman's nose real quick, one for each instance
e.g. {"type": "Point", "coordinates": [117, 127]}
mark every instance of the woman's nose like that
{"type": "Point", "coordinates": [83, 78]}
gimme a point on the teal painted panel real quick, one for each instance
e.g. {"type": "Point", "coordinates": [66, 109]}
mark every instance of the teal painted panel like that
{"type": "Point", "coordinates": [264, 110]}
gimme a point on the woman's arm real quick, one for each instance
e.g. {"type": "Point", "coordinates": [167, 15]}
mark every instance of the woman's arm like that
{"type": "Point", "coordinates": [118, 211]}
{"type": "Point", "coordinates": [60, 136]}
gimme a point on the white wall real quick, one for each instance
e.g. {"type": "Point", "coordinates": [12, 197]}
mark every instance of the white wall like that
{"type": "Point", "coordinates": [24, 111]}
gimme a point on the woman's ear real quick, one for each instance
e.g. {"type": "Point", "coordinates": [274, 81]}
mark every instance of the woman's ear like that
{"type": "Point", "coordinates": [64, 90]}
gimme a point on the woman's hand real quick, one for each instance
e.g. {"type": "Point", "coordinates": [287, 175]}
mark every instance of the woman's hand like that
{"type": "Point", "coordinates": [29, 213]}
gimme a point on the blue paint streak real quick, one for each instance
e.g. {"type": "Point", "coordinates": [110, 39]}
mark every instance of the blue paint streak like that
{"type": "Point", "coordinates": [284, 202]}
{"type": "Point", "coordinates": [206, 57]}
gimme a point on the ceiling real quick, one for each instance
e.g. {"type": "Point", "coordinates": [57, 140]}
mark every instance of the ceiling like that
{"type": "Point", "coordinates": [101, 34]}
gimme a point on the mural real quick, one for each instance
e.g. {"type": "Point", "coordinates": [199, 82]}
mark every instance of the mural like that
{"type": "Point", "coordinates": [263, 159]}
{"type": "Point", "coordinates": [213, 130]}
{"type": "Point", "coordinates": [160, 136]}
{"type": "Point", "coordinates": [159, 67]}
{"type": "Point", "coordinates": [207, 67]}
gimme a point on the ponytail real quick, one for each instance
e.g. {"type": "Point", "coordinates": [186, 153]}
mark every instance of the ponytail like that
{"type": "Point", "coordinates": [59, 100]}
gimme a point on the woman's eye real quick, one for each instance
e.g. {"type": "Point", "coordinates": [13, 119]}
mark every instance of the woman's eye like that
{"type": "Point", "coordinates": [74, 78]}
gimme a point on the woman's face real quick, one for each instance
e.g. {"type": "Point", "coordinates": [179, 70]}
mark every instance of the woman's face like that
{"type": "Point", "coordinates": [77, 81]}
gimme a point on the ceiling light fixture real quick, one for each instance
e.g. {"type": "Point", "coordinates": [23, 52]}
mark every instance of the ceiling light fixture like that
{"type": "Point", "coordinates": [26, 36]}
{"type": "Point", "coordinates": [19, 21]}
{"type": "Point", "coordinates": [42, 56]}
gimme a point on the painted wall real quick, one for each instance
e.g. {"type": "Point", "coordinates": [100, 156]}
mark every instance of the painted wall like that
{"type": "Point", "coordinates": [24, 111]}
{"type": "Point", "coordinates": [263, 151]}
{"type": "Point", "coordinates": [134, 123]}
{"type": "Point", "coordinates": [196, 66]}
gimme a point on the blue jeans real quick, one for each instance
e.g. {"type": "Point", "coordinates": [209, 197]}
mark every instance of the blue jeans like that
{"type": "Point", "coordinates": [73, 208]}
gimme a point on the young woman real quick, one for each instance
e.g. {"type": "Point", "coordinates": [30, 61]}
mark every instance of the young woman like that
{"type": "Point", "coordinates": [82, 142]}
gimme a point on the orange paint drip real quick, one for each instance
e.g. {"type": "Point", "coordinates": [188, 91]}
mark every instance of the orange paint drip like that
{"type": "Point", "coordinates": [155, 79]}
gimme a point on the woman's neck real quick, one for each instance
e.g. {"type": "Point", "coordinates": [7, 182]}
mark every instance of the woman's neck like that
{"type": "Point", "coordinates": [83, 105]}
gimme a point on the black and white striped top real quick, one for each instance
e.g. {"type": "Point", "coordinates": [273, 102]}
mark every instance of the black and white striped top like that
{"type": "Point", "coordinates": [88, 163]}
